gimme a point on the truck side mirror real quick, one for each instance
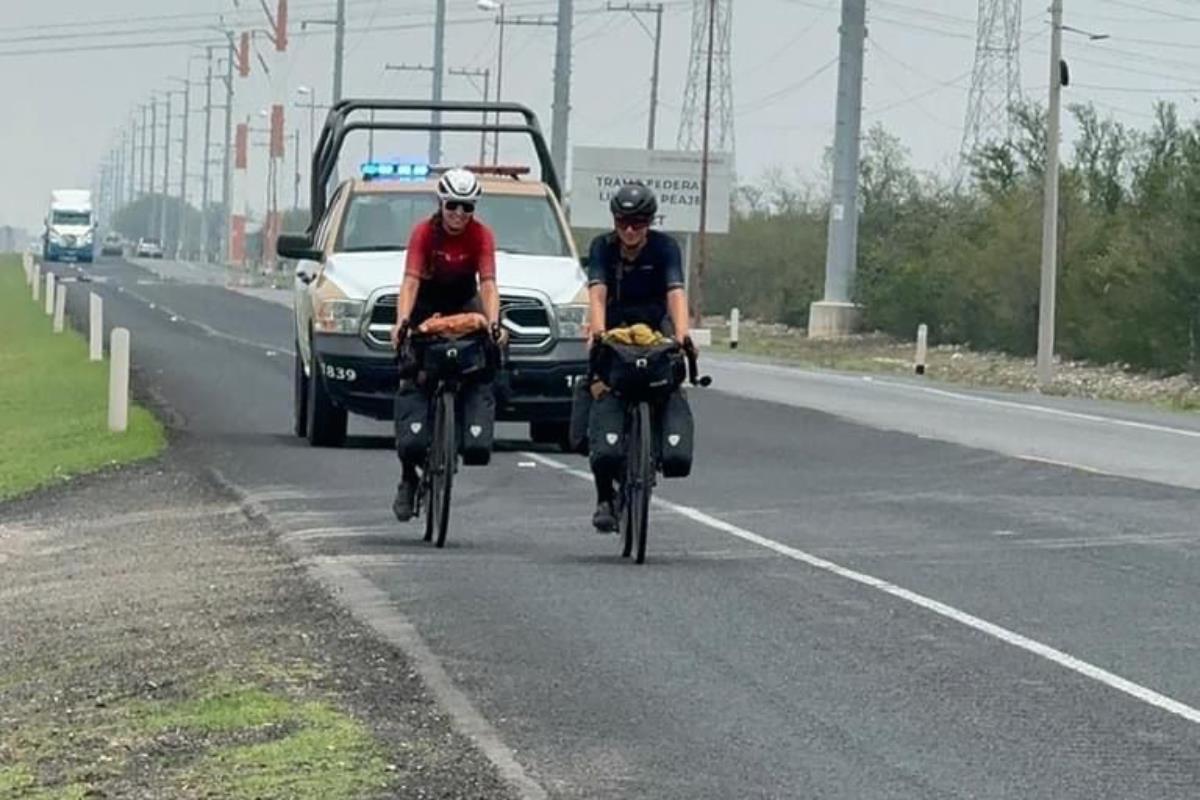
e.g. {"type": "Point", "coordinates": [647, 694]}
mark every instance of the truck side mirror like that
{"type": "Point", "coordinates": [297, 246]}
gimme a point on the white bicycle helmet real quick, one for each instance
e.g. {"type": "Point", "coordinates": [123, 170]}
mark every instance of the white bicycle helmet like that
{"type": "Point", "coordinates": [459, 184]}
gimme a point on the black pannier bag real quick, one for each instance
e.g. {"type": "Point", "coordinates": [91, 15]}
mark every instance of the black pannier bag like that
{"type": "Point", "coordinates": [677, 436]}
{"type": "Point", "coordinates": [477, 431]}
{"type": "Point", "coordinates": [414, 422]}
{"type": "Point", "coordinates": [467, 359]}
{"type": "Point", "coordinates": [641, 373]}
{"type": "Point", "coordinates": [606, 433]}
{"type": "Point", "coordinates": [581, 411]}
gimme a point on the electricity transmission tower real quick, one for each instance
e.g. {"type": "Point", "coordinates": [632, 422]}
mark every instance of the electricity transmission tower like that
{"type": "Point", "coordinates": [996, 79]}
{"type": "Point", "coordinates": [691, 123]}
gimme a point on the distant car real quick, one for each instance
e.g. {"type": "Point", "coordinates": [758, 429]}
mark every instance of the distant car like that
{"type": "Point", "coordinates": [113, 245]}
{"type": "Point", "coordinates": [149, 248]}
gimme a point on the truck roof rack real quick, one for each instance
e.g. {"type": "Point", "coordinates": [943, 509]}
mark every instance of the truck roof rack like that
{"type": "Point", "coordinates": [338, 124]}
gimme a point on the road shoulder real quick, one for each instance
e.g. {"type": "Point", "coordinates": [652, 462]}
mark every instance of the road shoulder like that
{"type": "Point", "coordinates": [160, 643]}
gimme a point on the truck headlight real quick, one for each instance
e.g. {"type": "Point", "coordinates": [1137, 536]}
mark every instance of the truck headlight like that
{"type": "Point", "coordinates": [56, 237]}
{"type": "Point", "coordinates": [572, 321]}
{"type": "Point", "coordinates": [339, 316]}
{"type": "Point", "coordinates": [87, 237]}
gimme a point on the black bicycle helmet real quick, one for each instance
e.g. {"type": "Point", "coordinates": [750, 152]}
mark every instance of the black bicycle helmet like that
{"type": "Point", "coordinates": [634, 200]}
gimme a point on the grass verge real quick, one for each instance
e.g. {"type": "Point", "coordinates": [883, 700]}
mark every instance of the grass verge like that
{"type": "Point", "coordinates": [54, 403]}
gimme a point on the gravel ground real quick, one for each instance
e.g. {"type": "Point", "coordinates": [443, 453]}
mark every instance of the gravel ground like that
{"type": "Point", "coordinates": [958, 364]}
{"type": "Point", "coordinates": [140, 608]}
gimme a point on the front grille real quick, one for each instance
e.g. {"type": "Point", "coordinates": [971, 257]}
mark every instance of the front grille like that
{"type": "Point", "coordinates": [527, 320]}
{"type": "Point", "coordinates": [528, 323]}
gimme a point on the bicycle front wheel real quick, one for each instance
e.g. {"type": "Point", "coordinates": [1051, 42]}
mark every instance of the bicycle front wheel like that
{"type": "Point", "coordinates": [641, 481]}
{"type": "Point", "coordinates": [446, 457]}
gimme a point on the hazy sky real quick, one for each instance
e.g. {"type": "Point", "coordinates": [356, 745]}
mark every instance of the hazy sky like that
{"type": "Point", "coordinates": [64, 104]}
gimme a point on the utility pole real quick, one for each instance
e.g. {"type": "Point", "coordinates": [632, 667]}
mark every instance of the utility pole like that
{"type": "Point", "coordinates": [1047, 300]}
{"type": "Point", "coordinates": [181, 209]}
{"type": "Point", "coordinates": [561, 109]}
{"type": "Point", "coordinates": [486, 74]}
{"type": "Point", "coordinates": [204, 168]}
{"type": "Point", "coordinates": [296, 185]}
{"type": "Point", "coordinates": [142, 149]}
{"type": "Point", "coordinates": [227, 167]}
{"type": "Point", "coordinates": [339, 50]}
{"type": "Point", "coordinates": [435, 139]}
{"type": "Point", "coordinates": [166, 184]}
{"type": "Point", "coordinates": [539, 20]}
{"type": "Point", "coordinates": [696, 291]}
{"type": "Point", "coordinates": [499, 85]}
{"type": "Point", "coordinates": [657, 10]}
{"type": "Point", "coordinates": [133, 162]}
{"type": "Point", "coordinates": [439, 74]}
{"type": "Point", "coordinates": [836, 315]}
{"type": "Point", "coordinates": [153, 215]}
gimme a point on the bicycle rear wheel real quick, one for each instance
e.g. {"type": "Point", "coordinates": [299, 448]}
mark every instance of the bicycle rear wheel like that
{"type": "Point", "coordinates": [640, 483]}
{"type": "Point", "coordinates": [446, 445]}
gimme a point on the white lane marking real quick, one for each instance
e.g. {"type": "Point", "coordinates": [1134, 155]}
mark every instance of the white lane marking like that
{"type": "Point", "coordinates": [1067, 465]}
{"type": "Point", "coordinates": [1010, 404]}
{"type": "Point", "coordinates": [211, 331]}
{"type": "Point", "coordinates": [1098, 674]}
{"type": "Point", "coordinates": [1056, 412]}
{"type": "Point", "coordinates": [378, 610]}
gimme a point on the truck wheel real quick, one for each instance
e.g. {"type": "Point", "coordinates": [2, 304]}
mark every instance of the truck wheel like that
{"type": "Point", "coordinates": [299, 397]}
{"type": "Point", "coordinates": [326, 422]}
{"type": "Point", "coordinates": [558, 433]}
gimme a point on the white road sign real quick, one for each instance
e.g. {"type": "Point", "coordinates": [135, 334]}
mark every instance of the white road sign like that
{"type": "Point", "coordinates": [597, 172]}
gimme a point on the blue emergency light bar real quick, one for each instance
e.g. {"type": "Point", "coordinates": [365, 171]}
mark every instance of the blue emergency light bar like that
{"type": "Point", "coordinates": [373, 170]}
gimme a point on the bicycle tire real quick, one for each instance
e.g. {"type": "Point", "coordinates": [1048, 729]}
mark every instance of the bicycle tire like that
{"type": "Point", "coordinates": [642, 460]}
{"type": "Point", "coordinates": [443, 478]}
{"type": "Point", "coordinates": [427, 486]}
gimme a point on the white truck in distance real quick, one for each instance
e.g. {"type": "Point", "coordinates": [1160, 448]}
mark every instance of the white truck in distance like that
{"type": "Point", "coordinates": [70, 227]}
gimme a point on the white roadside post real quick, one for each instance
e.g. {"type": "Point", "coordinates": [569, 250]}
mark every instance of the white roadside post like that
{"type": "Point", "coordinates": [922, 347]}
{"type": "Point", "coordinates": [37, 281]}
{"type": "Point", "coordinates": [735, 317]}
{"type": "Point", "coordinates": [60, 308]}
{"type": "Point", "coordinates": [96, 327]}
{"type": "Point", "coordinates": [27, 263]}
{"type": "Point", "coordinates": [49, 293]}
{"type": "Point", "coordinates": [118, 381]}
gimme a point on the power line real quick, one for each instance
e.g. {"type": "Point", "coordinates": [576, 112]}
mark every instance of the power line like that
{"type": "Point", "coordinates": [776, 95]}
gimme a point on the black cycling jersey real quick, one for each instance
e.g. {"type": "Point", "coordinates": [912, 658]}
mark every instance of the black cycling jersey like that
{"type": "Point", "coordinates": [637, 289]}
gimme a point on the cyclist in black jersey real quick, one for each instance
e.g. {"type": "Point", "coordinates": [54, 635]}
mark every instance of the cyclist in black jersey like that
{"type": "Point", "coordinates": [635, 275]}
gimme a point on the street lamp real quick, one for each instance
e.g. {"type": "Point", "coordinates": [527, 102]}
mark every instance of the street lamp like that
{"type": "Point", "coordinates": [496, 6]}
{"type": "Point", "coordinates": [311, 105]}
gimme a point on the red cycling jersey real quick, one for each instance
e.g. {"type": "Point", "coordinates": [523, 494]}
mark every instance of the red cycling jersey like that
{"type": "Point", "coordinates": [438, 257]}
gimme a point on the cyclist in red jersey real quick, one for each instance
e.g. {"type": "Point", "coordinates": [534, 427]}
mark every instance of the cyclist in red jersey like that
{"type": "Point", "coordinates": [450, 268]}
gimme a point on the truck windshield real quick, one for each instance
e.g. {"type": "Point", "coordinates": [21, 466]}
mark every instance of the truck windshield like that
{"type": "Point", "coordinates": [62, 217]}
{"type": "Point", "coordinates": [524, 224]}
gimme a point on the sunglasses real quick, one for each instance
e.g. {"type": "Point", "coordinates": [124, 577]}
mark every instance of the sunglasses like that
{"type": "Point", "coordinates": [458, 205]}
{"type": "Point", "coordinates": [632, 224]}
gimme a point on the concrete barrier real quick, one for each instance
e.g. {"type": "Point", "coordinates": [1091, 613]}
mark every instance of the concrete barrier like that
{"type": "Point", "coordinates": [95, 327]}
{"type": "Point", "coordinates": [118, 381]}
{"type": "Point", "coordinates": [60, 307]}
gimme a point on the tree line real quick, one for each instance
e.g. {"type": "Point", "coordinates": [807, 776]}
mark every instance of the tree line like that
{"type": "Point", "coordinates": [963, 256]}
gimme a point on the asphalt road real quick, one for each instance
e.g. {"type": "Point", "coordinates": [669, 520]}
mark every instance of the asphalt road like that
{"type": "Point", "coordinates": [867, 589]}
